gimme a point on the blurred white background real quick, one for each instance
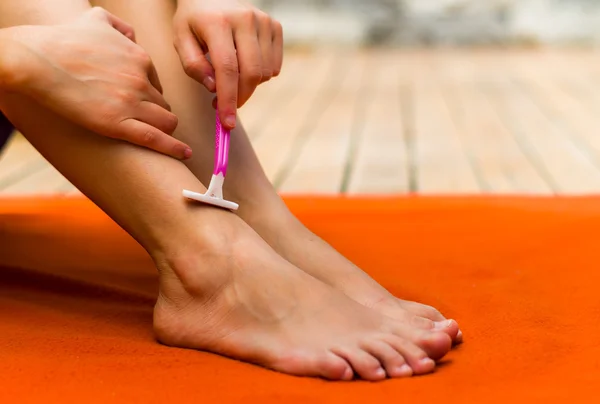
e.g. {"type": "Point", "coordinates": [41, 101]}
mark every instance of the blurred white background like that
{"type": "Point", "coordinates": [437, 22]}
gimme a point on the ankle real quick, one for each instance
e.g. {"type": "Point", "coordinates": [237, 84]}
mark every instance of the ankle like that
{"type": "Point", "coordinates": [191, 259]}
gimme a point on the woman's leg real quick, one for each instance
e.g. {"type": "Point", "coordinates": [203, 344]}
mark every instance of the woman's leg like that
{"type": "Point", "coordinates": [222, 288]}
{"type": "Point", "coordinates": [260, 206]}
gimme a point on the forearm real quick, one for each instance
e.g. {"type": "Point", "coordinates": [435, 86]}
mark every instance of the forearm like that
{"type": "Point", "coordinates": [40, 12]}
{"type": "Point", "coordinates": [28, 12]}
{"type": "Point", "coordinates": [13, 71]}
{"type": "Point", "coordinates": [6, 56]}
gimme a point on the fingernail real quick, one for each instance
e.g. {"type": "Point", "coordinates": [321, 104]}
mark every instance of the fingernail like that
{"type": "Point", "coordinates": [405, 370]}
{"type": "Point", "coordinates": [459, 336]}
{"type": "Point", "coordinates": [230, 121]}
{"type": "Point", "coordinates": [209, 83]}
{"type": "Point", "coordinates": [380, 372]}
{"type": "Point", "coordinates": [187, 153]}
{"type": "Point", "coordinates": [440, 325]}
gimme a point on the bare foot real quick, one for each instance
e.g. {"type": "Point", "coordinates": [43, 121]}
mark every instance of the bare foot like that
{"type": "Point", "coordinates": [224, 290]}
{"type": "Point", "coordinates": [298, 245]}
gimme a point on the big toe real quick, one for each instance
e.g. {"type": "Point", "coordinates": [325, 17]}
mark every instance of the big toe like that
{"type": "Point", "coordinates": [421, 310]}
{"type": "Point", "coordinates": [449, 327]}
{"type": "Point", "coordinates": [435, 343]}
{"type": "Point", "coordinates": [431, 313]}
{"type": "Point", "coordinates": [422, 316]}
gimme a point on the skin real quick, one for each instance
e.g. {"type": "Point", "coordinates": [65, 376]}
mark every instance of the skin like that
{"type": "Point", "coordinates": [213, 268]}
{"type": "Point", "coordinates": [213, 265]}
{"type": "Point", "coordinates": [245, 46]}
{"type": "Point", "coordinates": [260, 205]}
{"type": "Point", "coordinates": [117, 80]}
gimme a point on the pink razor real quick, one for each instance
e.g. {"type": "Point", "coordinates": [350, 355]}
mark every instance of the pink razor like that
{"type": "Point", "coordinates": [214, 194]}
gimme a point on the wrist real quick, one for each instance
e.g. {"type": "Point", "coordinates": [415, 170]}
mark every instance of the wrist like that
{"type": "Point", "coordinates": [14, 69]}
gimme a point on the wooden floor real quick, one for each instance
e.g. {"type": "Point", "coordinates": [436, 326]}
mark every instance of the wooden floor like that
{"type": "Point", "coordinates": [382, 122]}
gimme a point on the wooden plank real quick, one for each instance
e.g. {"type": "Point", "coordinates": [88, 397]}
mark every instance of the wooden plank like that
{"type": "Point", "coordinates": [18, 160]}
{"type": "Point", "coordinates": [502, 122]}
{"type": "Point", "coordinates": [565, 110]}
{"type": "Point", "coordinates": [441, 163]}
{"type": "Point", "coordinates": [501, 162]}
{"type": "Point", "coordinates": [569, 170]}
{"type": "Point", "coordinates": [381, 164]}
{"type": "Point", "coordinates": [45, 181]}
{"type": "Point", "coordinates": [276, 138]}
{"type": "Point", "coordinates": [271, 96]}
{"type": "Point", "coordinates": [320, 165]}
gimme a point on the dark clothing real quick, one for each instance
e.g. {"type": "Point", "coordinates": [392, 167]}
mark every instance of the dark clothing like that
{"type": "Point", "coordinates": [6, 129]}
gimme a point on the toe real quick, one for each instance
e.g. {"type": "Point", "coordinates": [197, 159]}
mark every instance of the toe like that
{"type": "Point", "coordinates": [423, 366]}
{"type": "Point", "coordinates": [415, 357]}
{"type": "Point", "coordinates": [424, 316]}
{"type": "Point", "coordinates": [363, 363]}
{"type": "Point", "coordinates": [392, 360]}
{"type": "Point", "coordinates": [305, 363]}
{"type": "Point", "coordinates": [435, 343]}
{"type": "Point", "coordinates": [459, 337]}
{"type": "Point", "coordinates": [333, 367]}
{"type": "Point", "coordinates": [422, 322]}
{"type": "Point", "coordinates": [449, 327]}
{"type": "Point", "coordinates": [422, 310]}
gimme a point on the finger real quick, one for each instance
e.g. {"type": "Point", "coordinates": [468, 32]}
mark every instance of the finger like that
{"type": "Point", "coordinates": [156, 116]}
{"type": "Point", "coordinates": [148, 136]}
{"type": "Point", "coordinates": [265, 40]}
{"type": "Point", "coordinates": [249, 59]}
{"type": "Point", "coordinates": [194, 60]}
{"type": "Point", "coordinates": [277, 32]}
{"type": "Point", "coordinates": [121, 26]}
{"type": "Point", "coordinates": [155, 96]}
{"type": "Point", "coordinates": [153, 77]}
{"type": "Point", "coordinates": [219, 39]}
{"type": "Point", "coordinates": [117, 23]}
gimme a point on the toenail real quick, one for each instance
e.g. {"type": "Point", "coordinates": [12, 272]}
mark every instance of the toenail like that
{"type": "Point", "coordinates": [405, 370]}
{"type": "Point", "coordinates": [440, 325]}
{"type": "Point", "coordinates": [348, 374]}
{"type": "Point", "coordinates": [427, 362]}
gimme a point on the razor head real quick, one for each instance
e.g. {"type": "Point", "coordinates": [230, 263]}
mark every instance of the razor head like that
{"type": "Point", "coordinates": [211, 200]}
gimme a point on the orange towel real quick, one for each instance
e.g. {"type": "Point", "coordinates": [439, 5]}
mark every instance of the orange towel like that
{"type": "Point", "coordinates": [521, 275]}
